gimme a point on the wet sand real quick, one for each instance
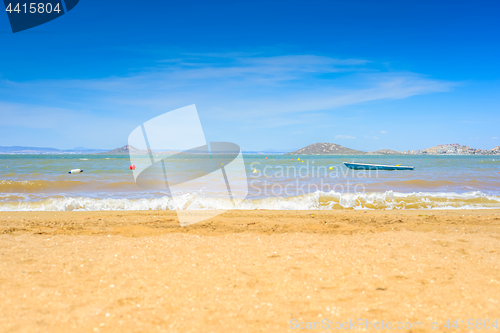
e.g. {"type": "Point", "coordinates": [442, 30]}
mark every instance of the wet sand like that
{"type": "Point", "coordinates": [246, 271]}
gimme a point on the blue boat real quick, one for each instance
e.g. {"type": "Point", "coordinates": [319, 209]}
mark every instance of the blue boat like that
{"type": "Point", "coordinates": [365, 166]}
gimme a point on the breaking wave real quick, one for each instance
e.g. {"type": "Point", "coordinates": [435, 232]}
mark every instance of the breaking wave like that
{"type": "Point", "coordinates": [314, 201]}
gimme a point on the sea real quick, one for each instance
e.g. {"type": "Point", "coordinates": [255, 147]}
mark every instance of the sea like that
{"type": "Point", "coordinates": [274, 182]}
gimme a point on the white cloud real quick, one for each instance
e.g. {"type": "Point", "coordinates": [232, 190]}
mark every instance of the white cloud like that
{"type": "Point", "coordinates": [232, 91]}
{"type": "Point", "coordinates": [340, 136]}
{"type": "Point", "coordinates": [383, 132]}
{"type": "Point", "coordinates": [494, 138]}
{"type": "Point", "coordinates": [279, 84]}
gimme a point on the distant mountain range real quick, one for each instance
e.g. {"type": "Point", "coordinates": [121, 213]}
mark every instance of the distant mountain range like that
{"type": "Point", "coordinates": [44, 150]}
{"type": "Point", "coordinates": [125, 150]}
{"type": "Point", "coordinates": [118, 151]}
{"type": "Point", "coordinates": [128, 149]}
{"type": "Point", "coordinates": [322, 148]}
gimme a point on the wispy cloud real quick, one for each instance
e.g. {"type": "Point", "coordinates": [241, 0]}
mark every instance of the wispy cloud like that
{"type": "Point", "coordinates": [237, 89]}
{"type": "Point", "coordinates": [341, 136]}
{"type": "Point", "coordinates": [494, 138]}
{"type": "Point", "coordinates": [383, 132]}
{"type": "Point", "coordinates": [298, 83]}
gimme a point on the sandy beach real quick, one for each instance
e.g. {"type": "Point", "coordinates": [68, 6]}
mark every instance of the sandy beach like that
{"type": "Point", "coordinates": [247, 271]}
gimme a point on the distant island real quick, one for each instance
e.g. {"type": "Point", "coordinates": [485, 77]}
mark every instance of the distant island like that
{"type": "Point", "coordinates": [384, 152]}
{"type": "Point", "coordinates": [453, 149]}
{"type": "Point", "coordinates": [126, 150]}
{"type": "Point", "coordinates": [324, 148]}
{"type": "Point", "coordinates": [448, 149]}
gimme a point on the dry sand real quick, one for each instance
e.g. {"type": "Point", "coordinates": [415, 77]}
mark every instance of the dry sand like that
{"type": "Point", "coordinates": [246, 271]}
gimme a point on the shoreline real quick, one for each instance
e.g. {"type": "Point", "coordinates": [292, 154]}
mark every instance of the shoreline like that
{"type": "Point", "coordinates": [158, 222]}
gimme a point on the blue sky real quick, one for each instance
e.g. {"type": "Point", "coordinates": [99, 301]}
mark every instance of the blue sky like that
{"type": "Point", "coordinates": [263, 74]}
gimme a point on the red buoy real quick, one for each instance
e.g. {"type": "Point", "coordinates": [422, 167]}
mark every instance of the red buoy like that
{"type": "Point", "coordinates": [132, 167]}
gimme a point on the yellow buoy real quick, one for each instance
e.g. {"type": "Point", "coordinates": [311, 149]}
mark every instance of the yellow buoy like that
{"type": "Point", "coordinates": [330, 168]}
{"type": "Point", "coordinates": [398, 164]}
{"type": "Point", "coordinates": [255, 170]}
{"type": "Point", "coordinates": [298, 159]}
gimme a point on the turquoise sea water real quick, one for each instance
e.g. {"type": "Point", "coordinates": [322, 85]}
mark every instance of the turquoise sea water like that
{"type": "Point", "coordinates": [42, 182]}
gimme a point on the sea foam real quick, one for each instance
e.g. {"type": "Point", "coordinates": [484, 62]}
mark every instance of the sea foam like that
{"type": "Point", "coordinates": [313, 201]}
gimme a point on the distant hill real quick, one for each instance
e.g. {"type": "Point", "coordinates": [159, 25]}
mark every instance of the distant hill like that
{"type": "Point", "coordinates": [326, 149]}
{"type": "Point", "coordinates": [384, 152]}
{"type": "Point", "coordinates": [29, 150]}
{"type": "Point", "coordinates": [126, 150]}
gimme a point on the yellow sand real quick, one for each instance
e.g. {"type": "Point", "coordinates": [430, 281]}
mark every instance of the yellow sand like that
{"type": "Point", "coordinates": [246, 271]}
